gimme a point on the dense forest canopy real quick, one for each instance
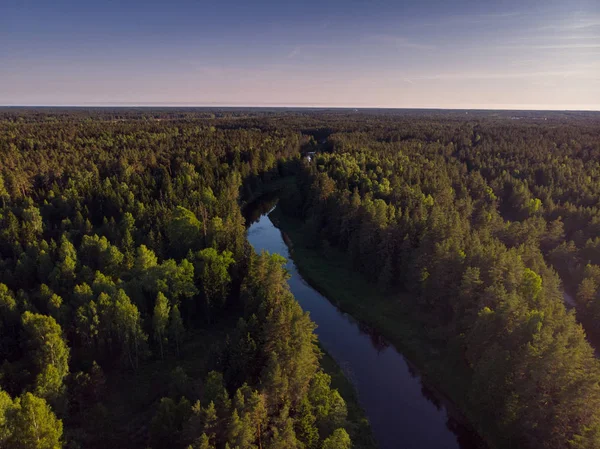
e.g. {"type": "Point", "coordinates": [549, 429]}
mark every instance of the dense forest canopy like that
{"type": "Point", "coordinates": [125, 270]}
{"type": "Point", "coordinates": [134, 312]}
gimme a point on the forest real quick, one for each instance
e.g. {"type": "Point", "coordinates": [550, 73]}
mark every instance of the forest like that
{"type": "Point", "coordinates": [134, 313]}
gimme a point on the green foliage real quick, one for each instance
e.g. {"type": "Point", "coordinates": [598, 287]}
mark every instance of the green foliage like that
{"type": "Point", "coordinates": [113, 229]}
{"type": "Point", "coordinates": [9, 314]}
{"type": "Point", "coordinates": [64, 271]}
{"type": "Point", "coordinates": [48, 353]}
{"type": "Point", "coordinates": [213, 275]}
{"type": "Point", "coordinates": [339, 439]}
{"type": "Point", "coordinates": [168, 422]}
{"type": "Point", "coordinates": [98, 254]}
{"type": "Point", "coordinates": [468, 232]}
{"type": "Point", "coordinates": [328, 406]}
{"type": "Point", "coordinates": [305, 427]}
{"type": "Point", "coordinates": [128, 326]}
{"type": "Point", "coordinates": [160, 320]}
{"type": "Point", "coordinates": [184, 231]}
{"type": "Point", "coordinates": [532, 284]}
{"type": "Point", "coordinates": [33, 425]}
{"type": "Point", "coordinates": [110, 217]}
{"type": "Point", "coordinates": [7, 409]}
{"type": "Point", "coordinates": [145, 259]}
{"type": "Point", "coordinates": [176, 327]}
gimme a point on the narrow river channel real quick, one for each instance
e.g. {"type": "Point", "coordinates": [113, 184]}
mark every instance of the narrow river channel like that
{"type": "Point", "coordinates": [403, 413]}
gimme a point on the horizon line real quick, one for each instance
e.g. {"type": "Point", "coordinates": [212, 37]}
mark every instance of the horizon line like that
{"type": "Point", "coordinates": [508, 107]}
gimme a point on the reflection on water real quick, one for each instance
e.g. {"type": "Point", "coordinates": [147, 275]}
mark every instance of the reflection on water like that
{"type": "Point", "coordinates": [377, 340]}
{"type": "Point", "coordinates": [403, 412]}
{"type": "Point", "coordinates": [257, 208]}
{"type": "Point", "coordinates": [430, 395]}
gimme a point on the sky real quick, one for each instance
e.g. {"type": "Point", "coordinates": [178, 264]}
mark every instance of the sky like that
{"type": "Point", "coordinates": [510, 54]}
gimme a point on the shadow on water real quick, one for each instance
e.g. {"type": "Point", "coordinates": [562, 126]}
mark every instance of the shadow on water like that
{"type": "Point", "coordinates": [403, 411]}
{"type": "Point", "coordinates": [259, 207]}
{"type": "Point", "coordinates": [377, 340]}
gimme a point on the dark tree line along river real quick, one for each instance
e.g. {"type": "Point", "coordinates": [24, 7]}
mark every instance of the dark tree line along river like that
{"type": "Point", "coordinates": [403, 413]}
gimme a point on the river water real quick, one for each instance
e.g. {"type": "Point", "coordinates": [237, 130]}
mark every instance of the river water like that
{"type": "Point", "coordinates": [403, 413]}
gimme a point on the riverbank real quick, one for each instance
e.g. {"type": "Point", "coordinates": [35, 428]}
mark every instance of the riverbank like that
{"type": "Point", "coordinates": [358, 426]}
{"type": "Point", "coordinates": [391, 315]}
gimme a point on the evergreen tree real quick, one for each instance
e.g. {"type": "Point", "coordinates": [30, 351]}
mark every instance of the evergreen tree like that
{"type": "Point", "coordinates": [213, 276]}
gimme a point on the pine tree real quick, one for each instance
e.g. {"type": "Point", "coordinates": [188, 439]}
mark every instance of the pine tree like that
{"type": "Point", "coordinates": [305, 425]}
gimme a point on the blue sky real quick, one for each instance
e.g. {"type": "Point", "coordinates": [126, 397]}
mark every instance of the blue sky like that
{"type": "Point", "coordinates": [377, 53]}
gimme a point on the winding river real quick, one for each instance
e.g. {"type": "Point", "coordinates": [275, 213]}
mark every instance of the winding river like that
{"type": "Point", "coordinates": [403, 413]}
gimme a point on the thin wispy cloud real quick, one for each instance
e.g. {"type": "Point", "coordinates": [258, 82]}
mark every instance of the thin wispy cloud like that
{"type": "Point", "coordinates": [364, 44]}
{"type": "Point", "coordinates": [478, 19]}
{"type": "Point", "coordinates": [555, 37]}
{"type": "Point", "coordinates": [588, 74]}
{"type": "Point", "coordinates": [311, 49]}
{"type": "Point", "coordinates": [553, 46]}
{"type": "Point", "coordinates": [396, 41]}
{"type": "Point", "coordinates": [573, 24]}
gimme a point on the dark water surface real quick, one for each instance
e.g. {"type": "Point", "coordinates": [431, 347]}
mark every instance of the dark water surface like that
{"type": "Point", "coordinates": [403, 413]}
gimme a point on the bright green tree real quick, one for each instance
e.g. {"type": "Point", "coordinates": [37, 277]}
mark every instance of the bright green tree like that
{"type": "Point", "coordinates": [240, 432]}
{"type": "Point", "coordinates": [184, 232]}
{"type": "Point", "coordinates": [3, 192]}
{"type": "Point", "coordinates": [160, 320]}
{"type": "Point", "coordinates": [48, 352]}
{"type": "Point", "coordinates": [34, 426]}
{"type": "Point", "coordinates": [64, 271]}
{"type": "Point", "coordinates": [7, 408]}
{"type": "Point", "coordinates": [128, 324]}
{"type": "Point", "coordinates": [214, 278]}
{"type": "Point", "coordinates": [339, 439]}
{"type": "Point", "coordinates": [305, 425]}
{"type": "Point", "coordinates": [144, 259]}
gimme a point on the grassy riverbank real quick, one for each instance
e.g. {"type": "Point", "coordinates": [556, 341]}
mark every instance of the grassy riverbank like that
{"type": "Point", "coordinates": [358, 424]}
{"type": "Point", "coordinates": [391, 314]}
